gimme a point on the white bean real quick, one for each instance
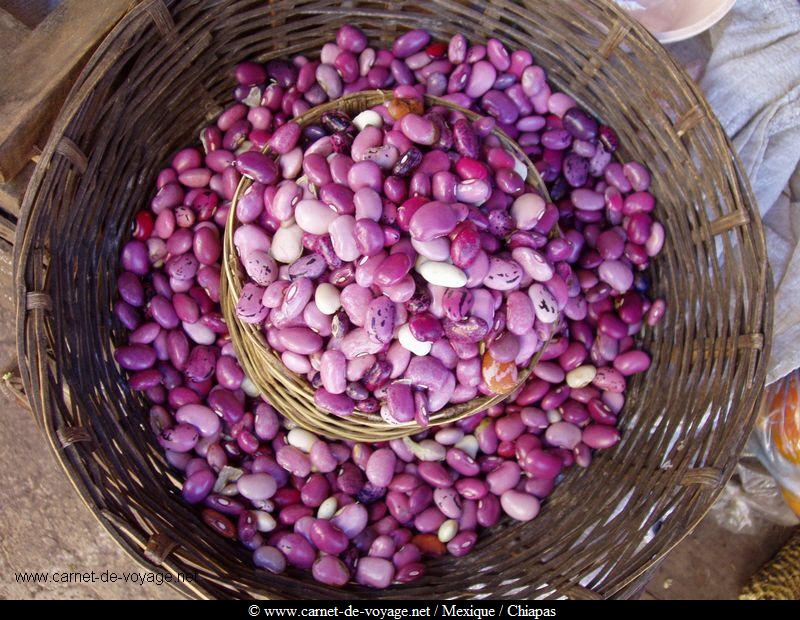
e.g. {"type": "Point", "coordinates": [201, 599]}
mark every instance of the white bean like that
{"type": "Point", "coordinates": [249, 388]}
{"type": "Point", "coordinates": [448, 530]}
{"type": "Point", "coordinates": [327, 298]}
{"type": "Point", "coordinates": [314, 216]}
{"type": "Point", "coordinates": [407, 340]}
{"type": "Point", "coordinates": [287, 244]}
{"type": "Point", "coordinates": [426, 450]}
{"type": "Point", "coordinates": [199, 333]}
{"type": "Point", "coordinates": [301, 439]}
{"type": "Point", "coordinates": [442, 274]}
{"type": "Point", "coordinates": [264, 521]}
{"type": "Point", "coordinates": [366, 118]}
{"type": "Point", "coordinates": [327, 509]}
{"type": "Point", "coordinates": [544, 304]}
{"type": "Point", "coordinates": [468, 444]}
{"type": "Point", "coordinates": [581, 376]}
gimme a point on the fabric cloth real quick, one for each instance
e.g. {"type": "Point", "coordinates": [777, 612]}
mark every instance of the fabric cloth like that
{"type": "Point", "coordinates": [752, 81]}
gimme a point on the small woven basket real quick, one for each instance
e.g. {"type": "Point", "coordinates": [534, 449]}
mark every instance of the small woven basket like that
{"type": "Point", "coordinates": [778, 579]}
{"type": "Point", "coordinates": [291, 393]}
{"type": "Point", "coordinates": [165, 71]}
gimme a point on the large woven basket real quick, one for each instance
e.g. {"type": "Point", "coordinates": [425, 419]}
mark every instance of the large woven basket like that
{"type": "Point", "coordinates": [165, 70]}
{"type": "Point", "coordinates": [292, 393]}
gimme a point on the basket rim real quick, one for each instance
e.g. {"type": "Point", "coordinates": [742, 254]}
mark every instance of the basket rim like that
{"type": "Point", "coordinates": [32, 346]}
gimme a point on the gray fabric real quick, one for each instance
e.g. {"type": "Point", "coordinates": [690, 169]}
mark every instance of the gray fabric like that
{"type": "Point", "coordinates": [752, 81]}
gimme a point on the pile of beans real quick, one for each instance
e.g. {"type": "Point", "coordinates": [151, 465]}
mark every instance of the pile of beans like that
{"type": "Point", "coordinates": [393, 267]}
{"type": "Point", "coordinates": [372, 513]}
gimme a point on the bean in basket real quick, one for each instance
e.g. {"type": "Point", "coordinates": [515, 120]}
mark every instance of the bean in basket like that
{"type": "Point", "coordinates": [398, 261]}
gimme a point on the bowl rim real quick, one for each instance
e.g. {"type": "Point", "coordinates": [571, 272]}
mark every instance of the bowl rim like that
{"type": "Point", "coordinates": [687, 32]}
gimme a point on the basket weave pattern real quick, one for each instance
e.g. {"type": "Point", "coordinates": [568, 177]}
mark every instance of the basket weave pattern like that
{"type": "Point", "coordinates": [165, 71]}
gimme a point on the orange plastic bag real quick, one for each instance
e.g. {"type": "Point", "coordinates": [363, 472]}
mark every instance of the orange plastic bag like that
{"type": "Point", "coordinates": [766, 483]}
{"type": "Point", "coordinates": [776, 439]}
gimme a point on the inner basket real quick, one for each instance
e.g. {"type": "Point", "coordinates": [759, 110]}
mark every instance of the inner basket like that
{"type": "Point", "coordinates": [166, 70]}
{"type": "Point", "coordinates": [290, 392]}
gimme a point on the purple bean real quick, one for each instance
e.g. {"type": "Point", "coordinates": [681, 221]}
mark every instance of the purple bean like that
{"type": "Point", "coordinates": [542, 464]}
{"type": "Point", "coordinates": [519, 506]}
{"type": "Point", "coordinates": [410, 43]}
{"type": "Point", "coordinates": [257, 486]}
{"type": "Point", "coordinates": [488, 510]}
{"type": "Point", "coordinates": [225, 403]}
{"type": "Point", "coordinates": [462, 543]}
{"type": "Point", "coordinates": [297, 550]}
{"type": "Point", "coordinates": [135, 357]}
{"type": "Point", "coordinates": [330, 571]}
{"type": "Point", "coordinates": [338, 404]}
{"type": "Point", "coordinates": [327, 538]}
{"type": "Point", "coordinates": [600, 436]}
{"type": "Point", "coordinates": [381, 314]}
{"type": "Point", "coordinates": [202, 418]}
{"type": "Point", "coordinates": [180, 438]}
{"type": "Point", "coordinates": [269, 558]}
{"type": "Point", "coordinates": [351, 519]}
{"type": "Point", "coordinates": [374, 572]}
{"type": "Point", "coordinates": [380, 467]}
{"type": "Point", "coordinates": [198, 485]}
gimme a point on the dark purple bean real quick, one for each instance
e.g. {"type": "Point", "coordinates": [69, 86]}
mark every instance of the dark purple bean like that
{"type": "Point", "coordinates": [201, 363]}
{"type": "Point", "coordinates": [337, 404]}
{"type": "Point", "coordinates": [227, 405]}
{"type": "Point", "coordinates": [488, 510]}
{"type": "Point", "coordinates": [370, 493]}
{"type": "Point", "coordinates": [283, 72]}
{"type": "Point", "coordinates": [469, 330]}
{"type": "Point", "coordinates": [225, 505]}
{"type": "Point", "coordinates": [257, 166]}
{"type": "Point", "coordinates": [400, 404]}
{"type": "Point", "coordinates": [409, 43]}
{"type": "Point", "coordinates": [135, 357]}
{"type": "Point", "coordinates": [498, 105]}
{"type": "Point", "coordinates": [246, 526]}
{"type": "Point", "coordinates": [377, 376]}
{"type": "Point", "coordinates": [465, 140]}
{"type": "Point", "coordinates": [130, 288]}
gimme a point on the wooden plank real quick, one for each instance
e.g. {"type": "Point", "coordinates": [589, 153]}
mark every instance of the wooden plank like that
{"type": "Point", "coordinates": [12, 193]}
{"type": "Point", "coordinates": [49, 58]}
{"type": "Point", "coordinates": [8, 228]}
{"type": "Point", "coordinates": [12, 31]}
{"type": "Point", "coordinates": [30, 12]}
{"type": "Point", "coordinates": [6, 277]}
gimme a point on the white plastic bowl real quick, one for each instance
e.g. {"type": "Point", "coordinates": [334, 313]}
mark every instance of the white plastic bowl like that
{"type": "Point", "coordinates": [675, 20]}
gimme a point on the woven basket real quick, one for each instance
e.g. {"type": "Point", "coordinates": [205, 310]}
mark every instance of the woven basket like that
{"type": "Point", "coordinates": [778, 579]}
{"type": "Point", "coordinates": [291, 392]}
{"type": "Point", "coordinates": [166, 69]}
